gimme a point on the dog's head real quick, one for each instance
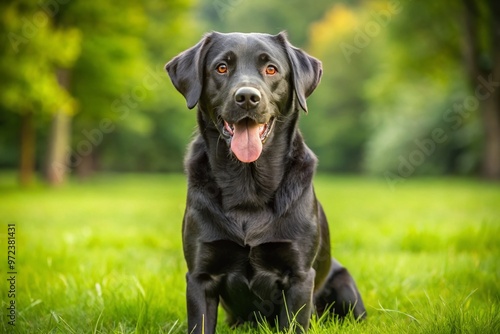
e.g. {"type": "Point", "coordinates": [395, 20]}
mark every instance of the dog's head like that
{"type": "Point", "coordinates": [245, 83]}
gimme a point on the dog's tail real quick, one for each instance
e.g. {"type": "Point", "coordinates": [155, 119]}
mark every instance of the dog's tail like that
{"type": "Point", "coordinates": [339, 294]}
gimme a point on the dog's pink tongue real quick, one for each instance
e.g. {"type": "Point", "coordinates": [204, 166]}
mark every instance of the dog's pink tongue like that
{"type": "Point", "coordinates": [246, 143]}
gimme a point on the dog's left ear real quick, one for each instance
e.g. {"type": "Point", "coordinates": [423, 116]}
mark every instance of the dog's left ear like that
{"type": "Point", "coordinates": [306, 70]}
{"type": "Point", "coordinates": [186, 71]}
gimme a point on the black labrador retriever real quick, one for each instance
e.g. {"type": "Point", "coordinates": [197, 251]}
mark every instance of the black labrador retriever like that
{"type": "Point", "coordinates": [255, 237]}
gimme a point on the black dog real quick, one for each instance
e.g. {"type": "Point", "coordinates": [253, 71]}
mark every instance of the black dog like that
{"type": "Point", "coordinates": [255, 237]}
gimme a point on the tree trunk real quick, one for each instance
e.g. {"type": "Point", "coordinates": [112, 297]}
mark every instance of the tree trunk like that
{"type": "Point", "coordinates": [491, 119]}
{"type": "Point", "coordinates": [86, 167]}
{"type": "Point", "coordinates": [478, 75]}
{"type": "Point", "coordinates": [491, 110]}
{"type": "Point", "coordinates": [28, 141]}
{"type": "Point", "coordinates": [56, 167]}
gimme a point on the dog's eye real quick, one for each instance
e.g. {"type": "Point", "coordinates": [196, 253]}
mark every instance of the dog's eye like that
{"type": "Point", "coordinates": [222, 68]}
{"type": "Point", "coordinates": [271, 70]}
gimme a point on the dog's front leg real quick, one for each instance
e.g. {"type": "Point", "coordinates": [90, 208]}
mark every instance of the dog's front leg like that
{"type": "Point", "coordinates": [202, 302]}
{"type": "Point", "coordinates": [298, 302]}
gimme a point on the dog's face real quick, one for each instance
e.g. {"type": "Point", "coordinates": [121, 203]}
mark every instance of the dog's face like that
{"type": "Point", "coordinates": [245, 84]}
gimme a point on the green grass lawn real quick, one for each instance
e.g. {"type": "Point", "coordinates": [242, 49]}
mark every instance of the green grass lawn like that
{"type": "Point", "coordinates": [105, 256]}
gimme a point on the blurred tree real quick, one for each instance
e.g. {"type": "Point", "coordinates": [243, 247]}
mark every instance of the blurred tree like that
{"type": "Point", "coordinates": [111, 64]}
{"type": "Point", "coordinates": [481, 50]}
{"type": "Point", "coordinates": [153, 132]}
{"type": "Point", "coordinates": [265, 16]}
{"type": "Point", "coordinates": [131, 117]}
{"type": "Point", "coordinates": [55, 169]}
{"type": "Point", "coordinates": [418, 94]}
{"type": "Point", "coordinates": [127, 114]}
{"type": "Point", "coordinates": [30, 59]}
{"type": "Point", "coordinates": [335, 127]}
{"type": "Point", "coordinates": [394, 100]}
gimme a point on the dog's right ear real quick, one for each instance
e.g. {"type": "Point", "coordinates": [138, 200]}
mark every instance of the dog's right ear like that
{"type": "Point", "coordinates": [306, 70]}
{"type": "Point", "coordinates": [186, 71]}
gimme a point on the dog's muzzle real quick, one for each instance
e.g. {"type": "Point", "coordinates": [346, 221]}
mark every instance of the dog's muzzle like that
{"type": "Point", "coordinates": [247, 137]}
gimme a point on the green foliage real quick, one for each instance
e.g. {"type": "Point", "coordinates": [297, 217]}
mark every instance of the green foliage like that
{"type": "Point", "coordinates": [335, 127]}
{"type": "Point", "coordinates": [264, 16]}
{"type": "Point", "coordinates": [394, 82]}
{"type": "Point", "coordinates": [32, 52]}
{"type": "Point", "coordinates": [420, 90]}
{"type": "Point", "coordinates": [121, 78]}
{"type": "Point", "coordinates": [127, 114]}
{"type": "Point", "coordinates": [106, 256]}
{"type": "Point", "coordinates": [112, 58]}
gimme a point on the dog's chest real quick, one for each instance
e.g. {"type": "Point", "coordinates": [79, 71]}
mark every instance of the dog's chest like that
{"type": "Point", "coordinates": [261, 264]}
{"type": "Point", "coordinates": [259, 270]}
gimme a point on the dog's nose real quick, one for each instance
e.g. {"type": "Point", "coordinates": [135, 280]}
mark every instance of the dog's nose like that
{"type": "Point", "coordinates": [247, 97]}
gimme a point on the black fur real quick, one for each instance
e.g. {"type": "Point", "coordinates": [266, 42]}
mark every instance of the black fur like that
{"type": "Point", "coordinates": [255, 236]}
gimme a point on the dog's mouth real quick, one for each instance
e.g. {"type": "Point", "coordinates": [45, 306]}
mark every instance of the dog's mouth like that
{"type": "Point", "coordinates": [247, 137]}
